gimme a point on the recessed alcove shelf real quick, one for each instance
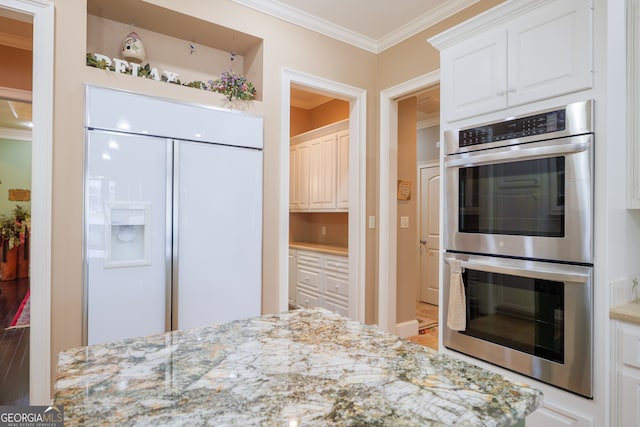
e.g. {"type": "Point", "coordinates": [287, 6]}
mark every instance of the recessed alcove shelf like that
{"type": "Point", "coordinates": [194, 48]}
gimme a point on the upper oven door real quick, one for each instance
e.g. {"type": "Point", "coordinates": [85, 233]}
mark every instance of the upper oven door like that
{"type": "Point", "coordinates": [530, 200]}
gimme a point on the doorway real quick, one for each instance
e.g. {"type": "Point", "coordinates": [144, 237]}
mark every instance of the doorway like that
{"type": "Point", "coordinates": [388, 250]}
{"type": "Point", "coordinates": [356, 99]}
{"type": "Point", "coordinates": [41, 13]}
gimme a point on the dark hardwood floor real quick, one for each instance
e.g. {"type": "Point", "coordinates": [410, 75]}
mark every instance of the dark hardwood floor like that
{"type": "Point", "coordinates": [14, 346]}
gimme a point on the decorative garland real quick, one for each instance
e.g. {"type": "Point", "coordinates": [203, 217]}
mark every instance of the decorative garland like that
{"type": "Point", "coordinates": [230, 84]}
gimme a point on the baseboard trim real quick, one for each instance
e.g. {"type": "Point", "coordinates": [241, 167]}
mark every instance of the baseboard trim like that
{"type": "Point", "coordinates": [407, 329]}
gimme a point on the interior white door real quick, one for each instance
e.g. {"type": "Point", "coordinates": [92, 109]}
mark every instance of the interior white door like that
{"type": "Point", "coordinates": [217, 234]}
{"type": "Point", "coordinates": [126, 280]}
{"type": "Point", "coordinates": [429, 233]}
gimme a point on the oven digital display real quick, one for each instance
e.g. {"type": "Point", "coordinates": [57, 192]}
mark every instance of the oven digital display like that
{"type": "Point", "coordinates": [553, 121]}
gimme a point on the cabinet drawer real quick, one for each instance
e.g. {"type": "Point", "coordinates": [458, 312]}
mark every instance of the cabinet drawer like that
{"type": "Point", "coordinates": [336, 285]}
{"type": "Point", "coordinates": [337, 264]}
{"type": "Point", "coordinates": [309, 258]}
{"type": "Point", "coordinates": [308, 299]}
{"type": "Point", "coordinates": [629, 347]}
{"type": "Point", "coordinates": [337, 306]}
{"type": "Point", "coordinates": [308, 277]}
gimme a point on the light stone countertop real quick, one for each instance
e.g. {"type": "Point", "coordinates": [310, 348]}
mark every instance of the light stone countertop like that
{"type": "Point", "coordinates": [308, 367]}
{"type": "Point", "coordinates": [326, 249]}
{"type": "Point", "coordinates": [629, 312]}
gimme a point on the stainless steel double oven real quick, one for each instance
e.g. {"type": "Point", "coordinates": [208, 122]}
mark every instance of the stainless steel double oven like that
{"type": "Point", "coordinates": [519, 218]}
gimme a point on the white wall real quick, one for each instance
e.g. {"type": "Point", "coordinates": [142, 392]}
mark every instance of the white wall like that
{"type": "Point", "coordinates": [426, 143]}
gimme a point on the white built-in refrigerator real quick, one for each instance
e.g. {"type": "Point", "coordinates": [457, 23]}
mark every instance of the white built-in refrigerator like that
{"type": "Point", "coordinates": [172, 215]}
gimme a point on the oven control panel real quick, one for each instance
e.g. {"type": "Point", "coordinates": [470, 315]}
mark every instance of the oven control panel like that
{"type": "Point", "coordinates": [550, 121]}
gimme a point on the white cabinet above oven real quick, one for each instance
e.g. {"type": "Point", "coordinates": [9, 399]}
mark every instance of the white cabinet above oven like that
{"type": "Point", "coordinates": [516, 53]}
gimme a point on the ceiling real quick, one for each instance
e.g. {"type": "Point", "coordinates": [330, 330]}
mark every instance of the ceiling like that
{"type": "Point", "coordinates": [374, 25]}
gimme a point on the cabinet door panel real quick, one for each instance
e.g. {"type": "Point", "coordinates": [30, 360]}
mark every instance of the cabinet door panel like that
{"type": "Point", "coordinates": [550, 52]}
{"type": "Point", "coordinates": [308, 299]}
{"type": "Point", "coordinates": [628, 399]}
{"type": "Point", "coordinates": [302, 166]}
{"type": "Point", "coordinates": [329, 172]}
{"type": "Point", "coordinates": [308, 277]}
{"type": "Point", "coordinates": [549, 415]}
{"type": "Point", "coordinates": [342, 184]}
{"type": "Point", "coordinates": [336, 285]}
{"type": "Point", "coordinates": [293, 177]}
{"type": "Point", "coordinates": [337, 306]}
{"type": "Point", "coordinates": [315, 174]}
{"type": "Point", "coordinates": [629, 347]}
{"type": "Point", "coordinates": [476, 76]}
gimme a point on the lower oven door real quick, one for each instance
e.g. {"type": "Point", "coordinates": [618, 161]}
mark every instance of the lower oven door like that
{"type": "Point", "coordinates": [531, 317]}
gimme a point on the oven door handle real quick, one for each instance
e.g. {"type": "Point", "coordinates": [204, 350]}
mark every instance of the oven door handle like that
{"type": "Point", "coordinates": [544, 274]}
{"type": "Point", "coordinates": [572, 145]}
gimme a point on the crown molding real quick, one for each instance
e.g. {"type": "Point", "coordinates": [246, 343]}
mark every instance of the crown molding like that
{"type": "Point", "coordinates": [16, 134]}
{"type": "Point", "coordinates": [329, 29]}
{"type": "Point", "coordinates": [423, 22]}
{"type": "Point", "coordinates": [488, 19]}
{"type": "Point", "coordinates": [311, 22]}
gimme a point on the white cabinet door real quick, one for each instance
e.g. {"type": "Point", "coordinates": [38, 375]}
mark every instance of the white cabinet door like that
{"type": "Point", "coordinates": [549, 415]}
{"type": "Point", "coordinates": [293, 177]}
{"type": "Point", "coordinates": [315, 174]}
{"type": "Point", "coordinates": [475, 76]}
{"type": "Point", "coordinates": [328, 172]}
{"type": "Point", "coordinates": [303, 164]}
{"type": "Point", "coordinates": [342, 201]}
{"type": "Point", "coordinates": [549, 52]}
{"type": "Point", "coordinates": [292, 276]}
{"type": "Point", "coordinates": [543, 53]}
{"type": "Point", "coordinates": [628, 402]}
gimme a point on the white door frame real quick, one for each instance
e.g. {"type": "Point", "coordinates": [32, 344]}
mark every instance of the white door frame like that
{"type": "Point", "coordinates": [41, 165]}
{"type": "Point", "coordinates": [357, 98]}
{"type": "Point", "coordinates": [387, 248]}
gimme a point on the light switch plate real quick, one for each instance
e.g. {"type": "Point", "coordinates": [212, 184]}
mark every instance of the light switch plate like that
{"type": "Point", "coordinates": [372, 221]}
{"type": "Point", "coordinates": [404, 222]}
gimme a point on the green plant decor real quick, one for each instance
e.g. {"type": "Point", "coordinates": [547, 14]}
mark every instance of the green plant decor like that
{"type": "Point", "coordinates": [9, 231]}
{"type": "Point", "coordinates": [22, 219]}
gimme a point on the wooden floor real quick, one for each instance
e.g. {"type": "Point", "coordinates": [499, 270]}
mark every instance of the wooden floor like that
{"type": "Point", "coordinates": [14, 346]}
{"type": "Point", "coordinates": [427, 314]}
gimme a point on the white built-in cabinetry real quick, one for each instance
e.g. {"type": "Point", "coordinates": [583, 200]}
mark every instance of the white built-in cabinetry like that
{"type": "Point", "coordinates": [626, 389]}
{"type": "Point", "coordinates": [522, 53]}
{"type": "Point", "coordinates": [319, 170]}
{"type": "Point", "coordinates": [322, 280]}
{"type": "Point", "coordinates": [518, 53]}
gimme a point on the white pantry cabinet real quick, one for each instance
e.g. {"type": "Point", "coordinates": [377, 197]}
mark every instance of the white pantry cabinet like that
{"type": "Point", "coordinates": [322, 281]}
{"type": "Point", "coordinates": [530, 53]}
{"type": "Point", "coordinates": [319, 170]}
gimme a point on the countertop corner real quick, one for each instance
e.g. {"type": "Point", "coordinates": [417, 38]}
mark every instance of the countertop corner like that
{"type": "Point", "coordinates": [629, 312]}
